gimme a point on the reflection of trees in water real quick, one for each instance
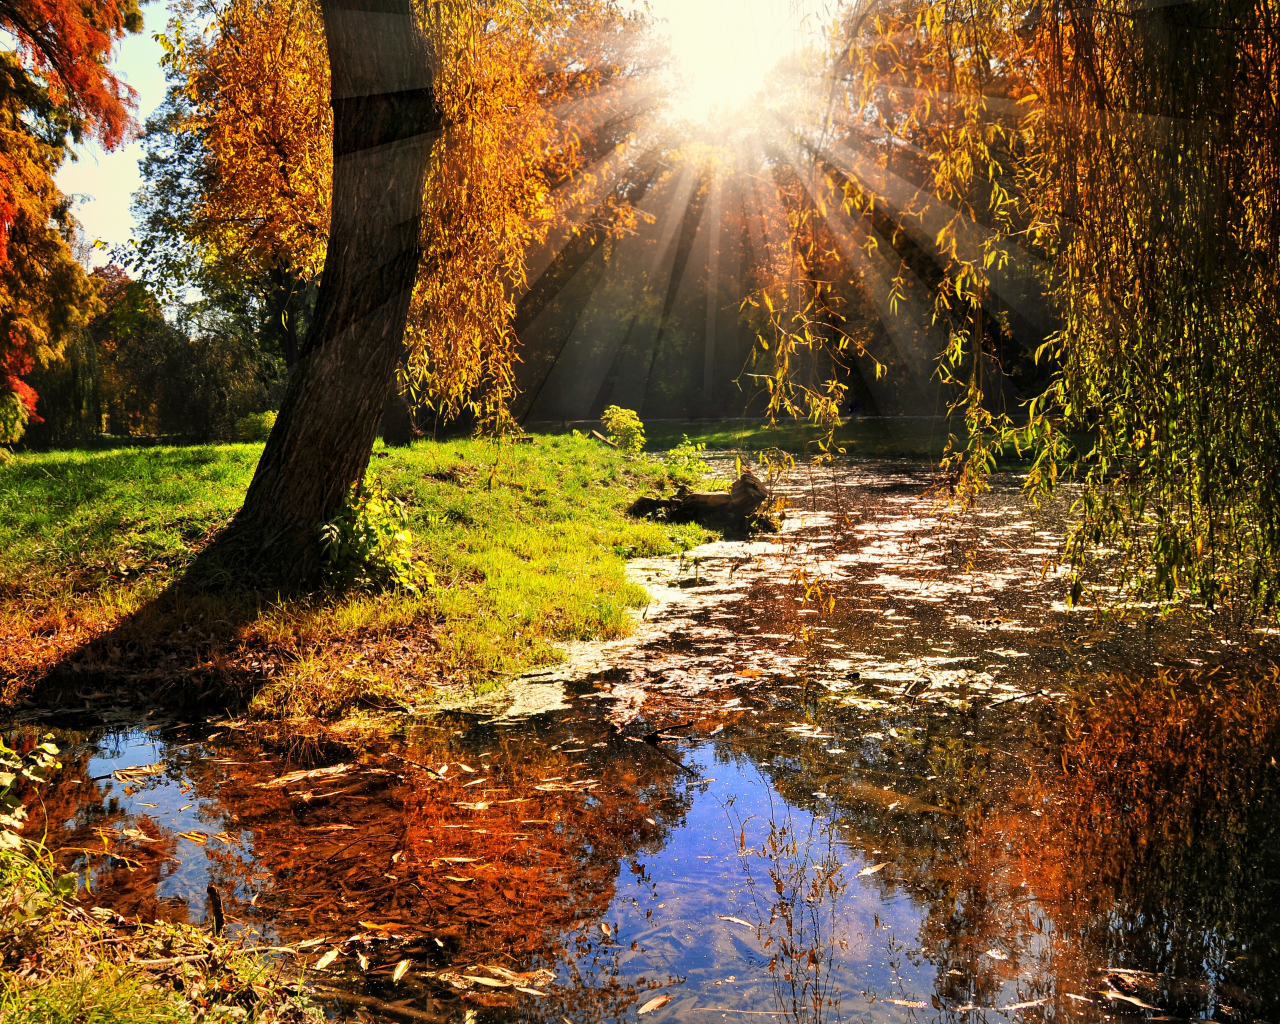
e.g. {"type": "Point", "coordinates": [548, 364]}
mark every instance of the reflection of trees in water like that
{"type": "Point", "coordinates": [796, 881]}
{"type": "Point", "coordinates": [1156, 850]}
{"type": "Point", "coordinates": [1151, 853]}
{"type": "Point", "coordinates": [498, 872]}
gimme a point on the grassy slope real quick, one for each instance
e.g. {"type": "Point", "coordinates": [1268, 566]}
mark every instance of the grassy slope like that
{"type": "Point", "coordinates": [527, 543]}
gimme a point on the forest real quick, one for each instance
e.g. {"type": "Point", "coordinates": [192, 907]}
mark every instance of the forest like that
{"type": "Point", "coordinates": [812, 463]}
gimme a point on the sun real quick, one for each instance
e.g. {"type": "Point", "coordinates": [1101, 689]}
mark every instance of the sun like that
{"type": "Point", "coordinates": [724, 49]}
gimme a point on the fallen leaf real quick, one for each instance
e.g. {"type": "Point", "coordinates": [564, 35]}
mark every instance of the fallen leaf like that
{"type": "Point", "coordinates": [995, 954]}
{"type": "Point", "coordinates": [650, 821]}
{"type": "Point", "coordinates": [604, 927]}
{"type": "Point", "coordinates": [460, 860]}
{"type": "Point", "coordinates": [138, 835]}
{"type": "Point", "coordinates": [656, 1003]}
{"type": "Point", "coordinates": [458, 878]}
{"type": "Point", "coordinates": [331, 828]}
{"type": "Point", "coordinates": [716, 731]}
{"type": "Point", "coordinates": [145, 804]}
{"type": "Point", "coordinates": [751, 673]}
{"type": "Point", "coordinates": [1027, 1006]}
{"type": "Point", "coordinates": [529, 991]}
{"type": "Point", "coordinates": [364, 961]}
{"type": "Point", "coordinates": [315, 773]}
{"type": "Point", "coordinates": [914, 1003]}
{"type": "Point", "coordinates": [735, 920]}
{"type": "Point", "coordinates": [894, 804]}
{"type": "Point", "coordinates": [324, 962]}
{"type": "Point", "coordinates": [491, 982]}
{"type": "Point", "coordinates": [469, 770]}
{"type": "Point", "coordinates": [481, 805]}
{"type": "Point", "coordinates": [194, 836]}
{"type": "Point", "coordinates": [1131, 1000]}
{"type": "Point", "coordinates": [873, 870]}
{"type": "Point", "coordinates": [225, 837]}
{"type": "Point", "coordinates": [401, 969]}
{"type": "Point", "coordinates": [474, 782]}
{"type": "Point", "coordinates": [139, 772]}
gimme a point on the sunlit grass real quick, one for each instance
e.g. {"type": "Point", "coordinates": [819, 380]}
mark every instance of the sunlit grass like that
{"type": "Point", "coordinates": [526, 543]}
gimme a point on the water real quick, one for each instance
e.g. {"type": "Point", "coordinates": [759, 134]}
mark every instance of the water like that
{"type": "Point", "coordinates": [858, 810]}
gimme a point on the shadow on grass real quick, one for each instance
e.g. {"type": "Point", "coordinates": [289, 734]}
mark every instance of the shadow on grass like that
{"type": "Point", "coordinates": [219, 636]}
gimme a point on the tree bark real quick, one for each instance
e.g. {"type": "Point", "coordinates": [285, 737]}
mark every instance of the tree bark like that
{"type": "Point", "coordinates": [385, 123]}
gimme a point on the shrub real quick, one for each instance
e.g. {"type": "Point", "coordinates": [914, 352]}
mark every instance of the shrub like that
{"type": "Point", "coordinates": [256, 426]}
{"type": "Point", "coordinates": [624, 429]}
{"type": "Point", "coordinates": [684, 462]}
{"type": "Point", "coordinates": [367, 544]}
{"type": "Point", "coordinates": [13, 417]}
{"type": "Point", "coordinates": [18, 771]}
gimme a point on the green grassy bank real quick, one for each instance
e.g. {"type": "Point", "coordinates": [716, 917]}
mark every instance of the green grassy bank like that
{"type": "Point", "coordinates": [525, 544]}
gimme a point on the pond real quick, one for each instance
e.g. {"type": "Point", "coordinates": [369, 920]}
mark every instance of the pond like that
{"type": "Point", "coordinates": [869, 768]}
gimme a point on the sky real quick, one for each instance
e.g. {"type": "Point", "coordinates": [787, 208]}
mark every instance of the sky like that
{"type": "Point", "coordinates": [103, 183]}
{"type": "Point", "coordinates": [724, 49]}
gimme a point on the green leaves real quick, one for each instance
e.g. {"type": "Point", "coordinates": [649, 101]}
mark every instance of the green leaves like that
{"type": "Point", "coordinates": [19, 771]}
{"type": "Point", "coordinates": [367, 544]}
{"type": "Point", "coordinates": [625, 429]}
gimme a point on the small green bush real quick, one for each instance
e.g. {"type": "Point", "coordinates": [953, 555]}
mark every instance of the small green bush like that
{"type": "Point", "coordinates": [367, 544]}
{"type": "Point", "coordinates": [685, 464]}
{"type": "Point", "coordinates": [624, 429]}
{"type": "Point", "coordinates": [13, 417]}
{"type": "Point", "coordinates": [256, 426]}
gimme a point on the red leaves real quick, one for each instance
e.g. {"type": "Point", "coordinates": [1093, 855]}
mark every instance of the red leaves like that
{"type": "Point", "coordinates": [68, 43]}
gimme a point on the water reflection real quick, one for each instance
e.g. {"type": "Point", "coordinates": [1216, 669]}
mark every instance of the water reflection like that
{"type": "Point", "coordinates": [898, 808]}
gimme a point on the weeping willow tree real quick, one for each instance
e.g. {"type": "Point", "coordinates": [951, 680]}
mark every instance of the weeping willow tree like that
{"type": "Point", "coordinates": [1125, 158]}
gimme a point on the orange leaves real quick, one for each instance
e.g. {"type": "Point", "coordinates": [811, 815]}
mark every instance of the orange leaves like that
{"type": "Point", "coordinates": [69, 44]}
{"type": "Point", "coordinates": [259, 95]}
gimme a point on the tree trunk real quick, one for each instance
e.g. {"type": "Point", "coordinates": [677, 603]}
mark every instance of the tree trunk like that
{"type": "Point", "coordinates": [385, 123]}
{"type": "Point", "coordinates": [709, 507]}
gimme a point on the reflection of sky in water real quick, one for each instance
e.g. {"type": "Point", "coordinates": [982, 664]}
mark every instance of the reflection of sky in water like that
{"type": "Point", "coordinates": [675, 909]}
{"type": "Point", "coordinates": [166, 804]}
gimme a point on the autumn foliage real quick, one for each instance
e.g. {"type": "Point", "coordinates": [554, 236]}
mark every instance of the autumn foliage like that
{"type": "Point", "coordinates": [54, 85]}
{"type": "Point", "coordinates": [515, 84]}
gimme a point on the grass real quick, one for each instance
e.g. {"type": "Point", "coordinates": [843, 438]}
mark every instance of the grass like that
{"type": "Point", "coordinates": [61, 964]}
{"type": "Point", "coordinates": [527, 544]}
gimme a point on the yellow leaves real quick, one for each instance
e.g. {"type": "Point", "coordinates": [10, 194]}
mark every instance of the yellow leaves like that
{"type": "Point", "coordinates": [259, 91]}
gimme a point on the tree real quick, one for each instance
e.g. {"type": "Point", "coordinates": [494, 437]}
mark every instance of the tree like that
{"type": "Point", "coordinates": [239, 163]}
{"type": "Point", "coordinates": [486, 85]}
{"type": "Point", "coordinates": [1119, 166]}
{"type": "Point", "coordinates": [384, 124]}
{"type": "Point", "coordinates": [55, 86]}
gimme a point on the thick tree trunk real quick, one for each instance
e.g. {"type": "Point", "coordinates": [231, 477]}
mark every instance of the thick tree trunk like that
{"type": "Point", "coordinates": [385, 123]}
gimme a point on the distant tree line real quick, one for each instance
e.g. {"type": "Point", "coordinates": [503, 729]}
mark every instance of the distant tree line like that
{"type": "Point", "coordinates": [186, 372]}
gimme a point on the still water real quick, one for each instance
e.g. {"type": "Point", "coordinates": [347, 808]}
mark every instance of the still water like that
{"type": "Point", "coordinates": [870, 768]}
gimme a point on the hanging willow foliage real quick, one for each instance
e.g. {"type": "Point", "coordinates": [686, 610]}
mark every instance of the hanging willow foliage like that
{"type": "Point", "coordinates": [1127, 158]}
{"type": "Point", "coordinates": [516, 85]}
